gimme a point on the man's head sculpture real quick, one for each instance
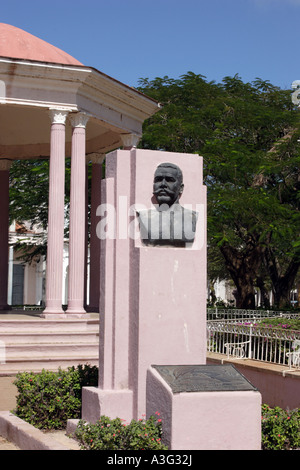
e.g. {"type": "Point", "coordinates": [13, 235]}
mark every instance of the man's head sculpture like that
{"type": "Point", "coordinates": [168, 184]}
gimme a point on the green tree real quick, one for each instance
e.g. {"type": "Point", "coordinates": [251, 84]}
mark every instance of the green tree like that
{"type": "Point", "coordinates": [282, 254]}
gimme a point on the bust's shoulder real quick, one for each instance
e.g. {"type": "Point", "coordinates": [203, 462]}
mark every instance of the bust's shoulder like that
{"type": "Point", "coordinates": [186, 211]}
{"type": "Point", "coordinates": [177, 209]}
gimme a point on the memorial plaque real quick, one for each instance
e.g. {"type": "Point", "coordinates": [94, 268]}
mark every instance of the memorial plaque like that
{"type": "Point", "coordinates": [203, 378]}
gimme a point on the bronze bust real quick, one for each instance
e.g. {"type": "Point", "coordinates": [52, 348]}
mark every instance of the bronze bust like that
{"type": "Point", "coordinates": [169, 224]}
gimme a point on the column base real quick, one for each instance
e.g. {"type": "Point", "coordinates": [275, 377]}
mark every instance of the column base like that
{"type": "Point", "coordinates": [75, 308]}
{"type": "Point", "coordinates": [53, 308]}
{"type": "Point", "coordinates": [92, 309]}
{"type": "Point", "coordinates": [76, 312]}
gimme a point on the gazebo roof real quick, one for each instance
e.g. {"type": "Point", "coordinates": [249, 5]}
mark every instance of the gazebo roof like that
{"type": "Point", "coordinates": [36, 76]}
{"type": "Point", "coordinates": [18, 44]}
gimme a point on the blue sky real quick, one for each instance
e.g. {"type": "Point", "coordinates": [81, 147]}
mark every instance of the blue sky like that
{"type": "Point", "coordinates": [130, 39]}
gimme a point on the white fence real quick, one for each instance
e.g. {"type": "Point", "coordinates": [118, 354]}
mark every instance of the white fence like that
{"type": "Point", "coordinates": [242, 314]}
{"type": "Point", "coordinates": [258, 342]}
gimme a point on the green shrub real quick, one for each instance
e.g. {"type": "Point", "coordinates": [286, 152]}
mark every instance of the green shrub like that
{"type": "Point", "coordinates": [87, 376]}
{"type": "Point", "coordinates": [114, 434]}
{"type": "Point", "coordinates": [280, 429]}
{"type": "Point", "coordinates": [48, 399]}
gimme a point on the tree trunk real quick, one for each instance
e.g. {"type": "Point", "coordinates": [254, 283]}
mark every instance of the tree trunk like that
{"type": "Point", "coordinates": [265, 301]}
{"type": "Point", "coordinates": [243, 266]}
{"type": "Point", "coordinates": [245, 297]}
{"type": "Point", "coordinates": [282, 283]}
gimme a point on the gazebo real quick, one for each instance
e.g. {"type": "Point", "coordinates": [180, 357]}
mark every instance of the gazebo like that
{"type": "Point", "coordinates": [52, 106]}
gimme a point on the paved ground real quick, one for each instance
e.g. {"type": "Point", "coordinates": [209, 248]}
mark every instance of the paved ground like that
{"type": "Point", "coordinates": [6, 445]}
{"type": "Point", "coordinates": [60, 436]}
{"type": "Point", "coordinates": [8, 393]}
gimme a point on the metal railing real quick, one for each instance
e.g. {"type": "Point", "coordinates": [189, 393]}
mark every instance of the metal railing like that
{"type": "Point", "coordinates": [217, 313]}
{"type": "Point", "coordinates": [262, 343]}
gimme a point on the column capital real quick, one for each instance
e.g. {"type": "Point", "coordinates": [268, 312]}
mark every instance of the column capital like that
{"type": "Point", "coordinates": [96, 157]}
{"type": "Point", "coordinates": [5, 164]}
{"type": "Point", "coordinates": [130, 140]}
{"type": "Point", "coordinates": [78, 119]}
{"type": "Point", "coordinates": [58, 116]}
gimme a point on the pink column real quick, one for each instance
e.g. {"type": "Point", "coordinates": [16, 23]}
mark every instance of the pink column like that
{"type": "Point", "coordinates": [94, 291]}
{"type": "Point", "coordinates": [4, 227]}
{"type": "Point", "coordinates": [54, 267]}
{"type": "Point", "coordinates": [77, 216]}
{"type": "Point", "coordinates": [86, 245]}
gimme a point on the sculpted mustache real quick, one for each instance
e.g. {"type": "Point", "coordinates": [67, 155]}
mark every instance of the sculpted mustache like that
{"type": "Point", "coordinates": [163, 191]}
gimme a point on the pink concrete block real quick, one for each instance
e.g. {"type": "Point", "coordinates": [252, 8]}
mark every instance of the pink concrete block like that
{"type": "Point", "coordinates": [112, 403]}
{"type": "Point", "coordinates": [206, 420]}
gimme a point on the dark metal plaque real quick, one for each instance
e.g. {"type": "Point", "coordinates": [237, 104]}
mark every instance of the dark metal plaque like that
{"type": "Point", "coordinates": [203, 378]}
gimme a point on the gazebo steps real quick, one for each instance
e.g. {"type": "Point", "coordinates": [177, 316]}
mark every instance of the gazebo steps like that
{"type": "Point", "coordinates": [12, 367]}
{"type": "Point", "coordinates": [53, 349]}
{"type": "Point", "coordinates": [53, 337]}
{"type": "Point", "coordinates": [36, 344]}
{"type": "Point", "coordinates": [43, 325]}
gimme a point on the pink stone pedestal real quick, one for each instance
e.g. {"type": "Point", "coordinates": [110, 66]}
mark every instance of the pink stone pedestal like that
{"type": "Point", "coordinates": [169, 319]}
{"type": "Point", "coordinates": [152, 299]}
{"type": "Point", "coordinates": [220, 415]}
{"type": "Point", "coordinates": [153, 313]}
